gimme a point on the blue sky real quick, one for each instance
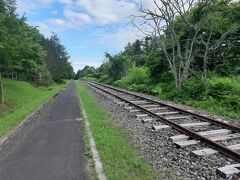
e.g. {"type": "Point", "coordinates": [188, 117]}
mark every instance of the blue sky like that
{"type": "Point", "coordinates": [87, 28]}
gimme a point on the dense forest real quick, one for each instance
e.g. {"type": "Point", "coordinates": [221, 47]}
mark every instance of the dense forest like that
{"type": "Point", "coordinates": [190, 54]}
{"type": "Point", "coordinates": [25, 54]}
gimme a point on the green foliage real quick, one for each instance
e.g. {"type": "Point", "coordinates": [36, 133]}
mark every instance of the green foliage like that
{"type": "Point", "coordinates": [158, 67]}
{"type": "Point", "coordinates": [223, 96]}
{"type": "Point", "coordinates": [22, 98]}
{"type": "Point", "coordinates": [104, 79]}
{"type": "Point", "coordinates": [89, 79]}
{"type": "Point", "coordinates": [221, 87]}
{"type": "Point", "coordinates": [135, 78]}
{"type": "Point", "coordinates": [192, 89]}
{"type": "Point", "coordinates": [46, 75]}
{"type": "Point", "coordinates": [143, 65]}
{"type": "Point", "coordinates": [87, 73]}
{"type": "Point", "coordinates": [57, 59]}
{"type": "Point", "coordinates": [23, 50]}
{"type": "Point", "coordinates": [117, 67]}
{"type": "Point", "coordinates": [157, 90]}
{"type": "Point", "coordinates": [223, 69]}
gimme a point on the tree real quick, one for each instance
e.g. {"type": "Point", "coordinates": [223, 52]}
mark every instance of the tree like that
{"type": "Point", "coordinates": [86, 72]}
{"type": "Point", "coordinates": [57, 59]}
{"type": "Point", "coordinates": [216, 27]}
{"type": "Point", "coordinates": [10, 6]}
{"type": "Point", "coordinates": [117, 67]}
{"type": "Point", "coordinates": [166, 21]}
{"type": "Point", "coordinates": [25, 52]}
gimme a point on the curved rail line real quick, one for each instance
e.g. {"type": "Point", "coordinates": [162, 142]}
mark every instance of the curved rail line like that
{"type": "Point", "coordinates": [195, 135]}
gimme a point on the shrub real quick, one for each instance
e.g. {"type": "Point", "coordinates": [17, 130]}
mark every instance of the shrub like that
{"type": "Point", "coordinates": [136, 76]}
{"type": "Point", "coordinates": [104, 79]}
{"type": "Point", "coordinates": [90, 79]}
{"type": "Point", "coordinates": [193, 88]}
{"type": "Point", "coordinates": [46, 75]}
{"type": "Point", "coordinates": [164, 90]}
{"type": "Point", "coordinates": [157, 90]}
{"type": "Point", "coordinates": [223, 69]}
{"type": "Point", "coordinates": [232, 101]}
{"type": "Point", "coordinates": [220, 86]}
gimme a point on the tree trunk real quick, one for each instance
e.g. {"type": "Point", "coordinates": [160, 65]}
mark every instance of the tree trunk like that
{"type": "Point", "coordinates": [1, 91]}
{"type": "Point", "coordinates": [205, 71]}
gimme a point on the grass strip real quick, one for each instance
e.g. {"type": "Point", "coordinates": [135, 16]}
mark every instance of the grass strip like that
{"type": "Point", "coordinates": [120, 159]}
{"type": "Point", "coordinates": [22, 98]}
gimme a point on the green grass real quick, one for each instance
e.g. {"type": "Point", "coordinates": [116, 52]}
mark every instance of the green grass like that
{"type": "Point", "coordinates": [120, 159]}
{"type": "Point", "coordinates": [21, 99]}
{"type": "Point", "coordinates": [222, 97]}
{"type": "Point", "coordinates": [213, 106]}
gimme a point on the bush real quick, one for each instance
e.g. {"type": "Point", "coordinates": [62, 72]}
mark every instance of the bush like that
{"type": "Point", "coordinates": [89, 79]}
{"type": "Point", "coordinates": [223, 69]}
{"type": "Point", "coordinates": [157, 90]}
{"type": "Point", "coordinates": [46, 75]}
{"type": "Point", "coordinates": [220, 86]}
{"type": "Point", "coordinates": [233, 101]}
{"type": "Point", "coordinates": [136, 76]}
{"type": "Point", "coordinates": [141, 88]}
{"type": "Point", "coordinates": [191, 89]}
{"type": "Point", "coordinates": [103, 79]}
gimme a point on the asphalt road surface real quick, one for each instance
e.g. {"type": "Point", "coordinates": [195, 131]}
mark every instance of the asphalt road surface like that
{"type": "Point", "coordinates": [51, 147]}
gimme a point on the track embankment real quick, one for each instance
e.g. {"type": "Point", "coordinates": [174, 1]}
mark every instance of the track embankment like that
{"type": "Point", "coordinates": [169, 148]}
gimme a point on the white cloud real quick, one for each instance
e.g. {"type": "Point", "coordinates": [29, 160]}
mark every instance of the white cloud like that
{"type": "Point", "coordinates": [44, 29]}
{"type": "Point", "coordinates": [72, 20]}
{"type": "Point", "coordinates": [44, 2]}
{"type": "Point", "coordinates": [68, 2]}
{"type": "Point", "coordinates": [82, 13]}
{"type": "Point", "coordinates": [85, 13]}
{"type": "Point", "coordinates": [146, 3]}
{"type": "Point", "coordinates": [29, 6]}
{"type": "Point", "coordinates": [118, 39]}
{"type": "Point", "coordinates": [25, 6]}
{"type": "Point", "coordinates": [76, 16]}
{"type": "Point", "coordinates": [108, 11]}
{"type": "Point", "coordinates": [57, 22]}
{"type": "Point", "coordinates": [106, 21]}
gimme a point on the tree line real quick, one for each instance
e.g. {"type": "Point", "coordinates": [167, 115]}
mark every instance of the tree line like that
{"type": "Point", "coordinates": [25, 53]}
{"type": "Point", "coordinates": [190, 53]}
{"type": "Point", "coordinates": [182, 39]}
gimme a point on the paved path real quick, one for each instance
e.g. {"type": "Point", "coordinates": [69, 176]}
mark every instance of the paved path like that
{"type": "Point", "coordinates": [50, 147]}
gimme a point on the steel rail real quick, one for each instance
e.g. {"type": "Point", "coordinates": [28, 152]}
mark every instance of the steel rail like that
{"type": "Point", "coordinates": [219, 147]}
{"type": "Point", "coordinates": [183, 111]}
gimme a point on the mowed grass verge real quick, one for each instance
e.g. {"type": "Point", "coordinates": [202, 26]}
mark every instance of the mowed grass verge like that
{"type": "Point", "coordinates": [22, 98]}
{"type": "Point", "coordinates": [120, 159]}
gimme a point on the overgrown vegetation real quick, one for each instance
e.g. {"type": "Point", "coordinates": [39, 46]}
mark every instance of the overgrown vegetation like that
{"type": "Point", "coordinates": [192, 58]}
{"type": "Point", "coordinates": [120, 160]}
{"type": "Point", "coordinates": [22, 98]}
{"type": "Point", "coordinates": [25, 54]}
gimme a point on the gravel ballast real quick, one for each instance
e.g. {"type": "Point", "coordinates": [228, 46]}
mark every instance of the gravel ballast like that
{"type": "Point", "coordinates": [158, 150]}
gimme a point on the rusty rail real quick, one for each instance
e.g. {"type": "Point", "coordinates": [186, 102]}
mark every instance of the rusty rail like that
{"type": "Point", "coordinates": [221, 148]}
{"type": "Point", "coordinates": [183, 111]}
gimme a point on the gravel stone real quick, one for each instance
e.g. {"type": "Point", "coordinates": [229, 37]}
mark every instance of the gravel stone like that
{"type": "Point", "coordinates": [162, 154]}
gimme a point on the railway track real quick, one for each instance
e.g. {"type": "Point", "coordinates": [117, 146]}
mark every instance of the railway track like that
{"type": "Point", "coordinates": [194, 127]}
